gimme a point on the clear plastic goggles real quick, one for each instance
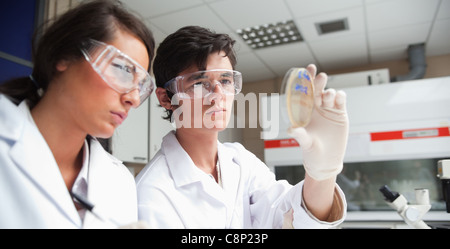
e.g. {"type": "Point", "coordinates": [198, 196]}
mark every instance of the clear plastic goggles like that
{"type": "Point", "coordinates": [117, 69]}
{"type": "Point", "coordinates": [202, 83]}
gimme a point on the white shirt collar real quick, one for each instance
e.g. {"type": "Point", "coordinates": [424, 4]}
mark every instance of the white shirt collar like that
{"type": "Point", "coordinates": [180, 163]}
{"type": "Point", "coordinates": [182, 167]}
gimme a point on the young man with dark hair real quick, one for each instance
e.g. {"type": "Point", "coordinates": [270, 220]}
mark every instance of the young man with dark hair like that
{"type": "Point", "coordinates": [194, 181]}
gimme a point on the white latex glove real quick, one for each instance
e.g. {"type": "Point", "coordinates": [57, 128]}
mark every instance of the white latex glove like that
{"type": "Point", "coordinates": [324, 140]}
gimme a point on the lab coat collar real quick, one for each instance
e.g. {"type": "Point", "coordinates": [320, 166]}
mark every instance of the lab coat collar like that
{"type": "Point", "coordinates": [99, 182]}
{"type": "Point", "coordinates": [99, 164]}
{"type": "Point", "coordinates": [230, 168]}
{"type": "Point", "coordinates": [41, 166]}
{"type": "Point", "coordinates": [80, 184]}
{"type": "Point", "coordinates": [12, 129]}
{"type": "Point", "coordinates": [185, 172]}
{"type": "Point", "coordinates": [180, 163]}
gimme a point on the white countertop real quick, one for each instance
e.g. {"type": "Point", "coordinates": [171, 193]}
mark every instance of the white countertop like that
{"type": "Point", "coordinates": [392, 216]}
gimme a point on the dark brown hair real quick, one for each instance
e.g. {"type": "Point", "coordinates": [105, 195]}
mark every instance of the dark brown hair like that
{"type": "Point", "coordinates": [186, 47]}
{"type": "Point", "coordinates": [98, 20]}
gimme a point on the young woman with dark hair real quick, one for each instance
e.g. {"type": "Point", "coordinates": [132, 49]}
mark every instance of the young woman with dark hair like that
{"type": "Point", "coordinates": [90, 67]}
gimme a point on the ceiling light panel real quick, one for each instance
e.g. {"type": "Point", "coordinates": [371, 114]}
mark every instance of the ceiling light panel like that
{"type": "Point", "coordinates": [269, 35]}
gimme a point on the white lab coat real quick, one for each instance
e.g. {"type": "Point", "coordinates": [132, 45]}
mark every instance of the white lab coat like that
{"type": "Point", "coordinates": [32, 191]}
{"type": "Point", "coordinates": [174, 193]}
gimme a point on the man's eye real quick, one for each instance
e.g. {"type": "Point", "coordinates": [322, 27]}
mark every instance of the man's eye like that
{"type": "Point", "coordinates": [205, 84]}
{"type": "Point", "coordinates": [226, 82]}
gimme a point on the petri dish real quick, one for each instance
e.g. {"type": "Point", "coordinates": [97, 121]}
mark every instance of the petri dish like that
{"type": "Point", "coordinates": [297, 93]}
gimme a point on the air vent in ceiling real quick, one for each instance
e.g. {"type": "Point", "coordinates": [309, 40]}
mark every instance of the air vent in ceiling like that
{"type": "Point", "coordinates": [332, 26]}
{"type": "Point", "coordinates": [272, 34]}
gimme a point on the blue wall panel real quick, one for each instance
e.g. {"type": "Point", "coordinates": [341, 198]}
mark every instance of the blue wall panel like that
{"type": "Point", "coordinates": [10, 70]}
{"type": "Point", "coordinates": [17, 23]}
{"type": "Point", "coordinates": [17, 27]}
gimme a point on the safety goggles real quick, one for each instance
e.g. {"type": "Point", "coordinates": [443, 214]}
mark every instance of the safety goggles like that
{"type": "Point", "coordinates": [201, 84]}
{"type": "Point", "coordinates": [117, 69]}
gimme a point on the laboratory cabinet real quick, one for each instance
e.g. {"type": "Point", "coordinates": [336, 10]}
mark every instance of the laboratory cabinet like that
{"type": "Point", "coordinates": [139, 137]}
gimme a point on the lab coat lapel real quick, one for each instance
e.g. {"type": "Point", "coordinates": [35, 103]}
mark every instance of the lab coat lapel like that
{"type": "Point", "coordinates": [99, 183]}
{"type": "Point", "coordinates": [180, 164]}
{"type": "Point", "coordinates": [231, 175]}
{"type": "Point", "coordinates": [41, 168]}
{"type": "Point", "coordinates": [184, 171]}
{"type": "Point", "coordinates": [213, 189]}
{"type": "Point", "coordinates": [96, 177]}
{"type": "Point", "coordinates": [229, 169]}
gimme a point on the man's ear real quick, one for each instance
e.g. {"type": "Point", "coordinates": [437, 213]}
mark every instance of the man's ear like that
{"type": "Point", "coordinates": [62, 65]}
{"type": "Point", "coordinates": [164, 100]}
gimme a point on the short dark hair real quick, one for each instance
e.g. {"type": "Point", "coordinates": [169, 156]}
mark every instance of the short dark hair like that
{"type": "Point", "coordinates": [98, 20]}
{"type": "Point", "coordinates": [190, 45]}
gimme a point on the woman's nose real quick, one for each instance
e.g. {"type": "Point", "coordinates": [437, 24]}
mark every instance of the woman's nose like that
{"type": "Point", "coordinates": [132, 98]}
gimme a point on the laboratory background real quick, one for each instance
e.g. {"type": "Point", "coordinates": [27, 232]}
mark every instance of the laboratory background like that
{"type": "Point", "coordinates": [391, 57]}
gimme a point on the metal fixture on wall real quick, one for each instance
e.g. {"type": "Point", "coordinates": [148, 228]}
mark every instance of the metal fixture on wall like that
{"type": "Point", "coordinates": [417, 63]}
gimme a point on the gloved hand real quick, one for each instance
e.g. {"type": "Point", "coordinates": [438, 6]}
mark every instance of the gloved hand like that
{"type": "Point", "coordinates": [324, 140]}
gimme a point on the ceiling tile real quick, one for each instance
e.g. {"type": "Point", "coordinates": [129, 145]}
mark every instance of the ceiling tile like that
{"type": "Point", "coordinates": [399, 36]}
{"type": "Point", "coordinates": [252, 68]}
{"type": "Point", "coordinates": [396, 13]}
{"type": "Point", "coordinates": [240, 46]}
{"type": "Point", "coordinates": [152, 8]}
{"type": "Point", "coordinates": [341, 52]}
{"type": "Point", "coordinates": [355, 18]}
{"type": "Point", "coordinates": [390, 54]}
{"type": "Point", "coordinates": [200, 16]}
{"type": "Point", "coordinates": [374, 1]}
{"type": "Point", "coordinates": [248, 13]}
{"type": "Point", "coordinates": [386, 27]}
{"type": "Point", "coordinates": [439, 42]}
{"type": "Point", "coordinates": [282, 58]}
{"type": "Point", "coordinates": [306, 8]}
{"type": "Point", "coordinates": [444, 10]}
{"type": "Point", "coordinates": [157, 33]}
